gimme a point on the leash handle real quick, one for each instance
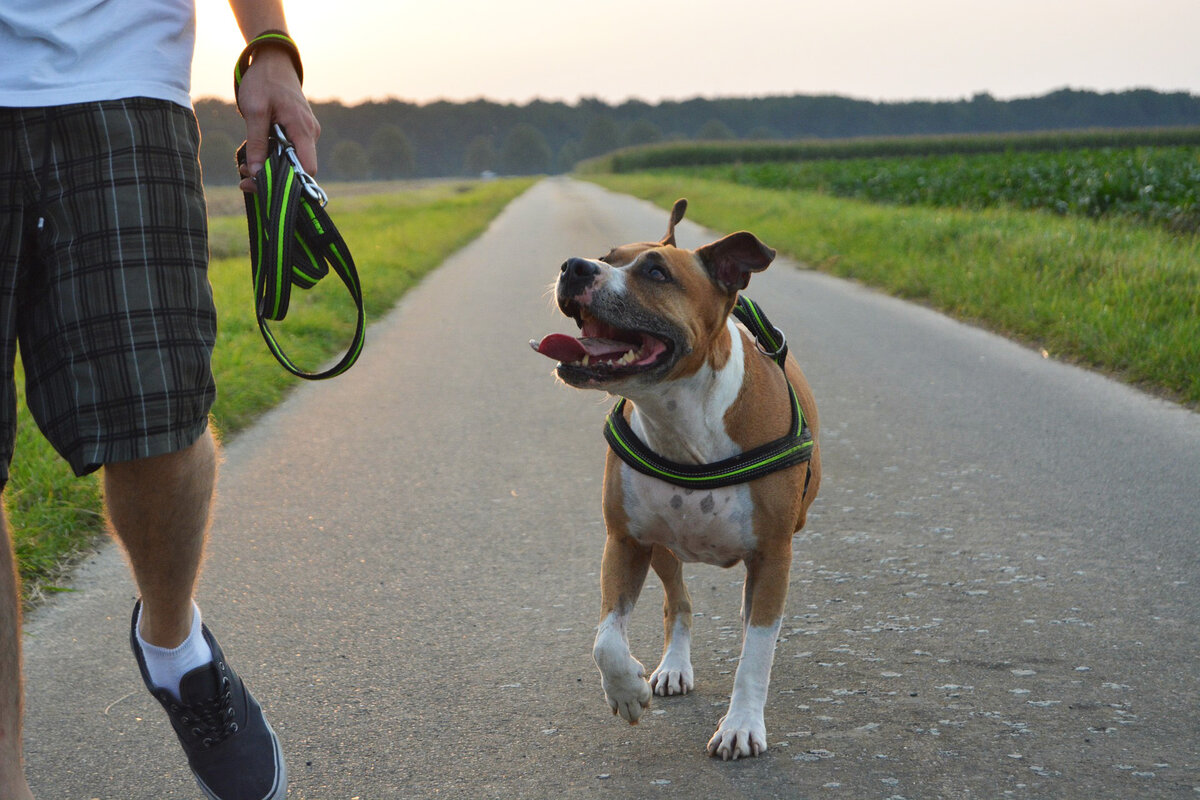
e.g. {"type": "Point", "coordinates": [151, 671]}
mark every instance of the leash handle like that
{"type": "Point", "coordinates": [293, 242]}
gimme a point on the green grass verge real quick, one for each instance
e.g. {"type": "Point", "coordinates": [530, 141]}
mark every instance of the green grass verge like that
{"type": "Point", "coordinates": [396, 238]}
{"type": "Point", "coordinates": [1108, 294]}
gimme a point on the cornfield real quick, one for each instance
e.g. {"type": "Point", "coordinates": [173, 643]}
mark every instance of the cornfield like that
{"type": "Point", "coordinates": [1155, 185]}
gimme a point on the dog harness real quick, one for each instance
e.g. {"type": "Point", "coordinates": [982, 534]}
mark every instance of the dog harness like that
{"type": "Point", "coordinates": [793, 448]}
{"type": "Point", "coordinates": [293, 242]}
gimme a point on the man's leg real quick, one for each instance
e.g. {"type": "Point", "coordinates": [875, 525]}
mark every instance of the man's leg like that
{"type": "Point", "coordinates": [12, 776]}
{"type": "Point", "coordinates": [159, 510]}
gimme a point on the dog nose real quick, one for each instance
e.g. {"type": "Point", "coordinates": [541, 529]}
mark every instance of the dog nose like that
{"type": "Point", "coordinates": [578, 268]}
{"type": "Point", "coordinates": [577, 273]}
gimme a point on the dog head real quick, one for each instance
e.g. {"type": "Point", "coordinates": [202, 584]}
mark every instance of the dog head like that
{"type": "Point", "coordinates": [650, 311]}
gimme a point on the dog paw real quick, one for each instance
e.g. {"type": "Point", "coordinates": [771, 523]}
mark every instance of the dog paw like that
{"type": "Point", "coordinates": [672, 677]}
{"type": "Point", "coordinates": [738, 736]}
{"type": "Point", "coordinates": [627, 692]}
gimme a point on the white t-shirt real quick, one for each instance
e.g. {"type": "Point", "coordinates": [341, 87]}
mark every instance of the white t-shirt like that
{"type": "Point", "coordinates": [54, 52]}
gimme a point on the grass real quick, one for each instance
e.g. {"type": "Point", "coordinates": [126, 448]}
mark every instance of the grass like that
{"type": "Point", "coordinates": [396, 238]}
{"type": "Point", "coordinates": [1110, 294]}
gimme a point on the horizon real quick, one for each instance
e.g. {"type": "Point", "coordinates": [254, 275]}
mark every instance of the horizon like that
{"type": "Point", "coordinates": [667, 100]}
{"type": "Point", "coordinates": [925, 51]}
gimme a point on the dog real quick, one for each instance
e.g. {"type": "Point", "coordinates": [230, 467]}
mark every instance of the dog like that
{"type": "Point", "coordinates": [699, 391]}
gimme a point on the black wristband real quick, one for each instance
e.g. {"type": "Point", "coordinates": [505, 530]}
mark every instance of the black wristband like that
{"type": "Point", "coordinates": [277, 38]}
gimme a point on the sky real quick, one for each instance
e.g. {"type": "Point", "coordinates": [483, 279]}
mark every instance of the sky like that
{"type": "Point", "coordinates": [654, 50]}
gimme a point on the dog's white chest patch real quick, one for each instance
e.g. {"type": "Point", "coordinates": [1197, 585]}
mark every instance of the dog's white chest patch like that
{"type": "Point", "coordinates": [713, 526]}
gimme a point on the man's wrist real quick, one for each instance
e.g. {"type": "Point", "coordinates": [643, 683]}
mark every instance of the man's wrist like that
{"type": "Point", "coordinates": [274, 40]}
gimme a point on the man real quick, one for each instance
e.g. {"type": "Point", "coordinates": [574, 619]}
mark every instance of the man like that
{"type": "Point", "coordinates": [103, 282]}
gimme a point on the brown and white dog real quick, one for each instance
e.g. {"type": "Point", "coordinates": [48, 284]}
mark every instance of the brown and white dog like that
{"type": "Point", "coordinates": [657, 331]}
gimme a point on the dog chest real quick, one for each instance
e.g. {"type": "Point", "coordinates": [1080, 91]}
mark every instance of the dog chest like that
{"type": "Point", "coordinates": [713, 526]}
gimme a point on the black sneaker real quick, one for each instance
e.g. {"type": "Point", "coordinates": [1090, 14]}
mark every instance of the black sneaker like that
{"type": "Point", "coordinates": [231, 749]}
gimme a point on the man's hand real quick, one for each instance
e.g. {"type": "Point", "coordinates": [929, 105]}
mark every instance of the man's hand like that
{"type": "Point", "coordinates": [270, 94]}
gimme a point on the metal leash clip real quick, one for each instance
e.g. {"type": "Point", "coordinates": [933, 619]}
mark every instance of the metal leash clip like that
{"type": "Point", "coordinates": [307, 182]}
{"type": "Point", "coordinates": [782, 346]}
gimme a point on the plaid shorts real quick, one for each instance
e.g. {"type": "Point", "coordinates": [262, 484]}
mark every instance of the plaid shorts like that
{"type": "Point", "coordinates": [104, 279]}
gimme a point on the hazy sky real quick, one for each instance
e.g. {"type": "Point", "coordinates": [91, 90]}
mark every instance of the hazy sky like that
{"type": "Point", "coordinates": [518, 50]}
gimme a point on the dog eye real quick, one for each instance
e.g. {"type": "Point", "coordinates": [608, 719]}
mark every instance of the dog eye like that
{"type": "Point", "coordinates": [656, 273]}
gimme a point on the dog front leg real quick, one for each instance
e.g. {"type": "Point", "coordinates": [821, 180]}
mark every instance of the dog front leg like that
{"type": "Point", "coordinates": [674, 673]}
{"type": "Point", "coordinates": [622, 573]}
{"type": "Point", "coordinates": [742, 731]}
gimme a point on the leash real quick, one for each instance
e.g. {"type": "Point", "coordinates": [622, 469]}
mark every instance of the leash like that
{"type": "Point", "coordinates": [793, 448]}
{"type": "Point", "coordinates": [293, 242]}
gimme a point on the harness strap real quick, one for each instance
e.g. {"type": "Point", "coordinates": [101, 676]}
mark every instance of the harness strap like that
{"type": "Point", "coordinates": [770, 340]}
{"type": "Point", "coordinates": [793, 448]}
{"type": "Point", "coordinates": [293, 242]}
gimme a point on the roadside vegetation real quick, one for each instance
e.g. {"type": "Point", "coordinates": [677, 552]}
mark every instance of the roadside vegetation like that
{"type": "Point", "coordinates": [397, 234]}
{"type": "Point", "coordinates": [707, 153]}
{"type": "Point", "coordinates": [1156, 185]}
{"type": "Point", "coordinates": [1092, 254]}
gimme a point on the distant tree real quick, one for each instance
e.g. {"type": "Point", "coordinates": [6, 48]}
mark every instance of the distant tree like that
{"type": "Point", "coordinates": [764, 133]}
{"type": "Point", "coordinates": [601, 136]}
{"type": "Point", "coordinates": [715, 129]}
{"type": "Point", "coordinates": [391, 153]}
{"type": "Point", "coordinates": [217, 160]}
{"type": "Point", "coordinates": [568, 157]}
{"type": "Point", "coordinates": [643, 131]}
{"type": "Point", "coordinates": [349, 161]}
{"type": "Point", "coordinates": [525, 151]}
{"type": "Point", "coordinates": [480, 156]}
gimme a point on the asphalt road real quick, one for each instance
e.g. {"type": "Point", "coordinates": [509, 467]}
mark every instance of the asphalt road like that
{"type": "Point", "coordinates": [996, 595]}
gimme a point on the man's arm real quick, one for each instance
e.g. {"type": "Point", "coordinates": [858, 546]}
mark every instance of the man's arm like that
{"type": "Point", "coordinates": [270, 92]}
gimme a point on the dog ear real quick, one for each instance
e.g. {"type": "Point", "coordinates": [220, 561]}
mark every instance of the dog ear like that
{"type": "Point", "coordinates": [730, 261]}
{"type": "Point", "coordinates": [676, 215]}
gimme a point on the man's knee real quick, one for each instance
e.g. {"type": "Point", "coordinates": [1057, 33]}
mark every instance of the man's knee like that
{"type": "Point", "coordinates": [196, 462]}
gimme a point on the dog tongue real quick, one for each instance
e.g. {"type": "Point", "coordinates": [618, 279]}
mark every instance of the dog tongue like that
{"type": "Point", "coordinates": [560, 347]}
{"type": "Point", "coordinates": [568, 349]}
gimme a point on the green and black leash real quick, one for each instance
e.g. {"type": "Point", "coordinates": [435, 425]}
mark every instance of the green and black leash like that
{"type": "Point", "coordinates": [793, 448]}
{"type": "Point", "coordinates": [293, 241]}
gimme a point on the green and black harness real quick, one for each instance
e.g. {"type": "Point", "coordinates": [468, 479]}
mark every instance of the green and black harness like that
{"type": "Point", "coordinates": [793, 448]}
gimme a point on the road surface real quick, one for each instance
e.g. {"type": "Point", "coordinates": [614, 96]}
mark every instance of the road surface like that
{"type": "Point", "coordinates": [997, 594]}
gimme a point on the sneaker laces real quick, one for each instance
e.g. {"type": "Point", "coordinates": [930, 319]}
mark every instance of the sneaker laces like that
{"type": "Point", "coordinates": [210, 721]}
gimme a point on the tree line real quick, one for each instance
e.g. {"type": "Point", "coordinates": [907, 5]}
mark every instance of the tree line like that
{"type": "Point", "coordinates": [398, 139]}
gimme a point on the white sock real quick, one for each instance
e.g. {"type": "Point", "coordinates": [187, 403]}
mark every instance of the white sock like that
{"type": "Point", "coordinates": [168, 666]}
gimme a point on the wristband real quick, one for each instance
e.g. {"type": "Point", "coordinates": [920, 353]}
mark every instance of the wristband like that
{"type": "Point", "coordinates": [278, 38]}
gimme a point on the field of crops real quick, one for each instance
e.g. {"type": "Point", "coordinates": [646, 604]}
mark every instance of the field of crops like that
{"type": "Point", "coordinates": [694, 154]}
{"type": "Point", "coordinates": [1157, 185]}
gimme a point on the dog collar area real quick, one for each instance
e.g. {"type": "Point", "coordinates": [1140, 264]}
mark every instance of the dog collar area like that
{"type": "Point", "coordinates": [793, 448]}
